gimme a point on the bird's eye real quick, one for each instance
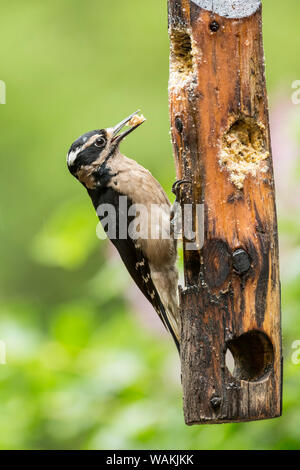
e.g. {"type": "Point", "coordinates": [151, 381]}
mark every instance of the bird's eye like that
{"type": "Point", "coordinates": [100, 142]}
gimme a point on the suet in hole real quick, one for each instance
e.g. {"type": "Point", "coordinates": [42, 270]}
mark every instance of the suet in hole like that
{"type": "Point", "coordinates": [243, 150]}
{"type": "Point", "coordinates": [250, 357]}
{"type": "Point", "coordinates": [182, 60]}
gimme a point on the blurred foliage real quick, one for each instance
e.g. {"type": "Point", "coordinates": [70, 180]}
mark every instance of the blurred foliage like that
{"type": "Point", "coordinates": [82, 372]}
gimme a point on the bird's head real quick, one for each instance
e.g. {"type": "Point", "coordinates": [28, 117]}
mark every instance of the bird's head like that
{"type": "Point", "coordinates": [95, 148]}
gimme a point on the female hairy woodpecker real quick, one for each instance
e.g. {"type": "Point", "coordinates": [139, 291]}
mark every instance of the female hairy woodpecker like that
{"type": "Point", "coordinates": [110, 178]}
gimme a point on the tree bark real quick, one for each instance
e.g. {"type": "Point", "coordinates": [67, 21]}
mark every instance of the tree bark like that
{"type": "Point", "coordinates": [221, 141]}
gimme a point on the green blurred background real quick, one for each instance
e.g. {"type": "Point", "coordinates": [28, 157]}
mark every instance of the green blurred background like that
{"type": "Point", "coordinates": [87, 364]}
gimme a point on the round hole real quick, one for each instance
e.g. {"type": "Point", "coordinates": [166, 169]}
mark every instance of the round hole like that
{"type": "Point", "coordinates": [178, 124]}
{"type": "Point", "coordinates": [250, 357]}
{"type": "Point", "coordinates": [214, 26]}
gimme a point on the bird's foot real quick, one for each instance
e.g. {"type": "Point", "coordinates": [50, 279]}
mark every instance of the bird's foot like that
{"type": "Point", "coordinates": [176, 188]}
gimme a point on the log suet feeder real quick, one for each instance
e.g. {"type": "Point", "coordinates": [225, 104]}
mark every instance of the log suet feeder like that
{"type": "Point", "coordinates": [221, 140]}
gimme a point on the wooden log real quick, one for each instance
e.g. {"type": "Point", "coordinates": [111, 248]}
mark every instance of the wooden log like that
{"type": "Point", "coordinates": [221, 140]}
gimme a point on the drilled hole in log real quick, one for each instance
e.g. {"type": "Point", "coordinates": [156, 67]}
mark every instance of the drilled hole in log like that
{"type": "Point", "coordinates": [182, 61]}
{"type": "Point", "coordinates": [251, 357]}
{"type": "Point", "coordinates": [182, 51]}
{"type": "Point", "coordinates": [243, 150]}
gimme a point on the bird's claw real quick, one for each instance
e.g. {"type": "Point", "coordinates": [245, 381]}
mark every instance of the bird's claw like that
{"type": "Point", "coordinates": [176, 187]}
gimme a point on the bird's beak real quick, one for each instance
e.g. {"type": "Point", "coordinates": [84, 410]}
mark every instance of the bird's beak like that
{"type": "Point", "coordinates": [118, 137]}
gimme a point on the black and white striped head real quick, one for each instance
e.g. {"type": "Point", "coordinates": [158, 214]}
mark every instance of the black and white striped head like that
{"type": "Point", "coordinates": [94, 148]}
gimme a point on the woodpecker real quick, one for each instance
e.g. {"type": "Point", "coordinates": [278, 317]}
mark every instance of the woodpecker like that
{"type": "Point", "coordinates": [109, 176]}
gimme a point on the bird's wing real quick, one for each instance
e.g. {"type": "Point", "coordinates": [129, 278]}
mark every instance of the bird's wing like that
{"type": "Point", "coordinates": [135, 256]}
{"type": "Point", "coordinates": [138, 267]}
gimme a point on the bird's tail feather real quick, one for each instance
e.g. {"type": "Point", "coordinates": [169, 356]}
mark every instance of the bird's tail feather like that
{"type": "Point", "coordinates": [171, 325]}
